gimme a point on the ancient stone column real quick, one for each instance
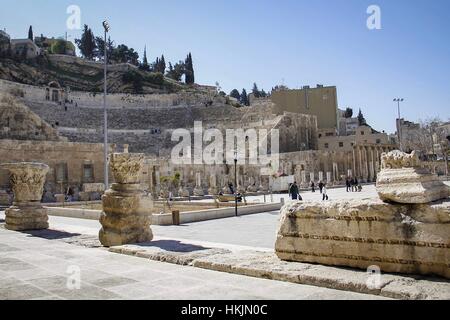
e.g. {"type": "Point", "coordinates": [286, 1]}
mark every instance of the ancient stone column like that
{"type": "Point", "coordinates": [321, 176]}
{"type": "Point", "coordinates": [213, 185]}
{"type": "Point", "coordinates": [27, 180]}
{"type": "Point", "coordinates": [251, 185]}
{"type": "Point", "coordinates": [198, 190]}
{"type": "Point", "coordinates": [311, 176]}
{"type": "Point", "coordinates": [263, 184]}
{"type": "Point", "coordinates": [329, 179]}
{"type": "Point", "coordinates": [304, 183]}
{"type": "Point", "coordinates": [360, 170]}
{"type": "Point", "coordinates": [126, 213]}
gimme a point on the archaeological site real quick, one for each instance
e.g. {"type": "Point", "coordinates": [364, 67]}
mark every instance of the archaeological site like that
{"type": "Point", "coordinates": [130, 175]}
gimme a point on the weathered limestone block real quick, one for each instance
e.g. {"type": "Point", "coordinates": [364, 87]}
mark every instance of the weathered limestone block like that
{"type": "Point", "coordinates": [60, 198]}
{"type": "Point", "coordinates": [400, 238]}
{"type": "Point", "coordinates": [403, 180]}
{"type": "Point", "coordinates": [27, 180]}
{"type": "Point", "coordinates": [183, 192]}
{"type": "Point", "coordinates": [126, 215]}
{"type": "Point", "coordinates": [93, 187]}
{"type": "Point", "coordinates": [84, 196]}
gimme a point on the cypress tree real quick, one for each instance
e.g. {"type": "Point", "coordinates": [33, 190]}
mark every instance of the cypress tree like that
{"type": "Point", "coordinates": [362, 121]}
{"type": "Point", "coordinates": [190, 76]}
{"type": "Point", "coordinates": [145, 65]}
{"type": "Point", "coordinates": [244, 98]}
{"type": "Point", "coordinates": [30, 33]}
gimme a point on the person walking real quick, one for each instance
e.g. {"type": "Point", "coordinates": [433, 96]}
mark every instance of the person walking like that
{"type": "Point", "coordinates": [321, 185]}
{"type": "Point", "coordinates": [324, 193]}
{"type": "Point", "coordinates": [293, 191]}
{"type": "Point", "coordinates": [313, 186]}
{"type": "Point", "coordinates": [356, 184]}
{"type": "Point", "coordinates": [348, 184]}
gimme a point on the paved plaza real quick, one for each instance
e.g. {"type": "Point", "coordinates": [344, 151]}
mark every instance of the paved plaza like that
{"type": "Point", "coordinates": [39, 268]}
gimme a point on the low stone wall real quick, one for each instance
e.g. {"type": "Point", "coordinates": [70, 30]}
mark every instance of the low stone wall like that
{"type": "Point", "coordinates": [212, 214]}
{"type": "Point", "coordinates": [363, 233]}
{"type": "Point", "coordinates": [166, 219]}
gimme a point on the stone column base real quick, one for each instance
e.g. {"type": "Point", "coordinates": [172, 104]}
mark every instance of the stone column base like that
{"type": "Point", "coordinates": [213, 191]}
{"type": "Point", "coordinates": [125, 218]}
{"type": "Point", "coordinates": [26, 217]}
{"type": "Point", "coordinates": [198, 192]}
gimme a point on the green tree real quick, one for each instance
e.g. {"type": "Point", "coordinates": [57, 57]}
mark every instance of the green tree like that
{"type": "Point", "coordinates": [59, 47]}
{"type": "Point", "coordinates": [255, 91]}
{"type": "Point", "coordinates": [100, 48]}
{"type": "Point", "coordinates": [235, 94]}
{"type": "Point", "coordinates": [30, 33]}
{"type": "Point", "coordinates": [348, 113]}
{"type": "Point", "coordinates": [176, 72]}
{"type": "Point", "coordinates": [87, 44]}
{"type": "Point", "coordinates": [362, 121]}
{"type": "Point", "coordinates": [190, 76]}
{"type": "Point", "coordinates": [244, 98]}
{"type": "Point", "coordinates": [145, 66]}
{"type": "Point", "coordinates": [123, 54]}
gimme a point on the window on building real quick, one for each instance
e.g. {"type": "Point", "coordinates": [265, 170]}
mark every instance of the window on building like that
{"type": "Point", "coordinates": [61, 173]}
{"type": "Point", "coordinates": [320, 135]}
{"type": "Point", "coordinates": [88, 172]}
{"type": "Point", "coordinates": [341, 144]}
{"type": "Point", "coordinates": [326, 145]}
{"type": "Point", "coordinates": [329, 134]}
{"type": "Point", "coordinates": [362, 133]}
{"type": "Point", "coordinates": [378, 141]}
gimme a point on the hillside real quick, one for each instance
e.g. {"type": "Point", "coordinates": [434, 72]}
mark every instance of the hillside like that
{"type": "Point", "coordinates": [82, 75]}
{"type": "Point", "coordinates": [20, 123]}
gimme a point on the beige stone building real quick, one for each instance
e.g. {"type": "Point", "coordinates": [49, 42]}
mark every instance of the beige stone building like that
{"type": "Point", "coordinates": [320, 102]}
{"type": "Point", "coordinates": [24, 48]}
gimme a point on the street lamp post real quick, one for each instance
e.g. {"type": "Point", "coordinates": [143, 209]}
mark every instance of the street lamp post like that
{"type": "Point", "coordinates": [235, 184]}
{"type": "Point", "coordinates": [399, 125]}
{"type": "Point", "coordinates": [105, 114]}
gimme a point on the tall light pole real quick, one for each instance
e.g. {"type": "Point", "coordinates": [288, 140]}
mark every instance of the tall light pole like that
{"type": "Point", "coordinates": [105, 114]}
{"type": "Point", "coordinates": [235, 184]}
{"type": "Point", "coordinates": [399, 125]}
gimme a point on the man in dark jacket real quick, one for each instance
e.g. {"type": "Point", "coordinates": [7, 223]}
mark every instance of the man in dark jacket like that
{"type": "Point", "coordinates": [321, 185]}
{"type": "Point", "coordinates": [293, 191]}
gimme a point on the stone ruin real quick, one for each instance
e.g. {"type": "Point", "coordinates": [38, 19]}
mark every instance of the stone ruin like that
{"type": "Point", "coordinates": [407, 230]}
{"type": "Point", "coordinates": [126, 217]}
{"type": "Point", "coordinates": [403, 180]}
{"type": "Point", "coordinates": [27, 212]}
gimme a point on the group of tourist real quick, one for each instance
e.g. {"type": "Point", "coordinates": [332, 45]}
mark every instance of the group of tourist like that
{"type": "Point", "coordinates": [353, 185]}
{"type": "Point", "coordinates": [295, 193]}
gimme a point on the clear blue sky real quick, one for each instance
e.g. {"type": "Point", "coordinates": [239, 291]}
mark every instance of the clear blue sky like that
{"type": "Point", "coordinates": [299, 42]}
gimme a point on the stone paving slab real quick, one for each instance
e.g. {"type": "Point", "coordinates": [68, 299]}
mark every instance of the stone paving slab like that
{"type": "Point", "coordinates": [266, 265]}
{"type": "Point", "coordinates": [43, 262]}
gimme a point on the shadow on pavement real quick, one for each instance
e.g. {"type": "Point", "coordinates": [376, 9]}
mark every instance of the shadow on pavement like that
{"type": "Point", "coordinates": [51, 234]}
{"type": "Point", "coordinates": [173, 246]}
